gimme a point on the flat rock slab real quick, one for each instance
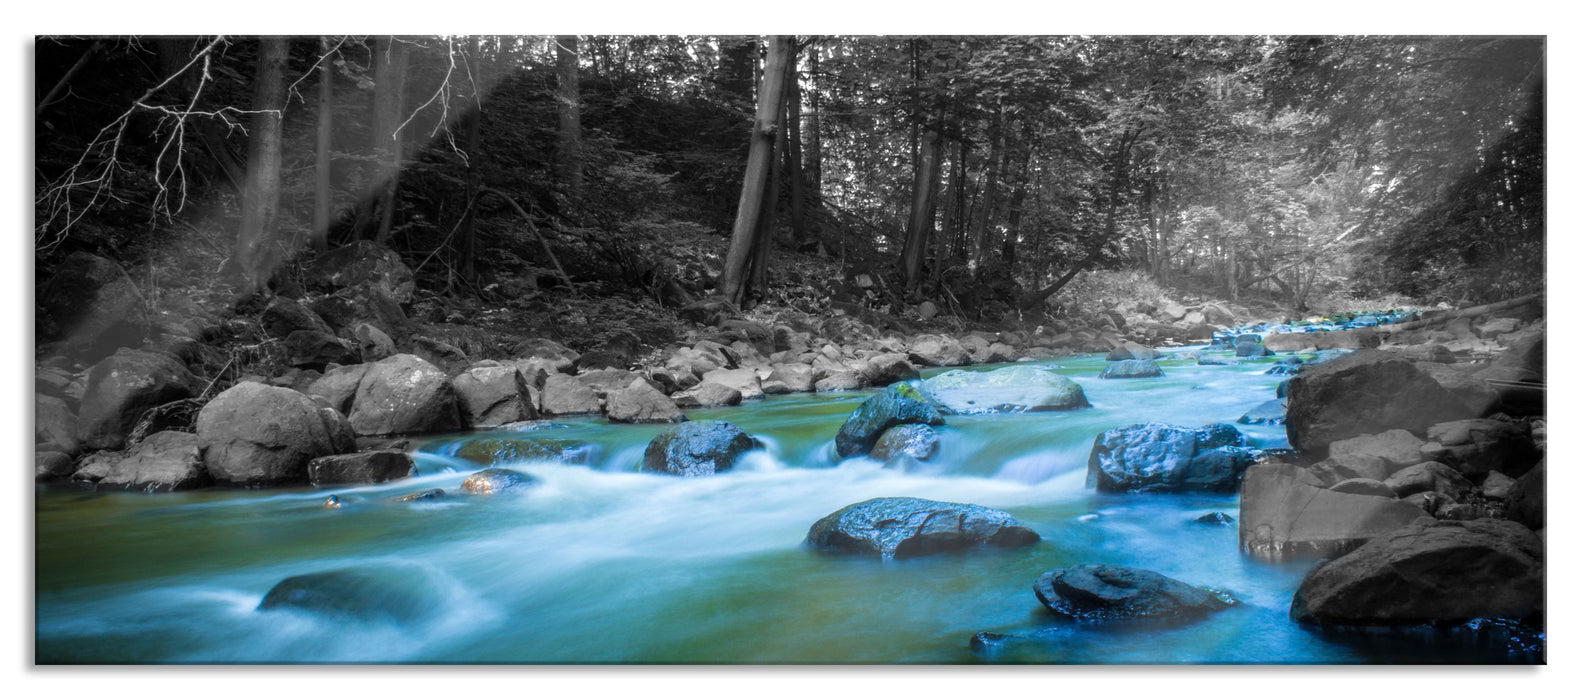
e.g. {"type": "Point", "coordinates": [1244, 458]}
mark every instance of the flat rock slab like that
{"type": "Point", "coordinates": [1286, 513]}
{"type": "Point", "coordinates": [1103, 593]}
{"type": "Point", "coordinates": [907, 527]}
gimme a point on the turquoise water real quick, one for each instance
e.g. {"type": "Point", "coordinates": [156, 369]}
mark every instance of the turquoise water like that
{"type": "Point", "coordinates": [601, 564]}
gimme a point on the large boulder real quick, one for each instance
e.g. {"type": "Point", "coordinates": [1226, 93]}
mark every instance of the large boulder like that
{"type": "Point", "coordinates": [887, 369]}
{"type": "Point", "coordinates": [165, 461]}
{"type": "Point", "coordinates": [1130, 350]}
{"type": "Point", "coordinates": [1377, 456]}
{"type": "Point", "coordinates": [1429, 476]}
{"type": "Point", "coordinates": [640, 402]}
{"type": "Point", "coordinates": [124, 386]}
{"type": "Point", "coordinates": [54, 425]}
{"type": "Point", "coordinates": [1160, 458]}
{"type": "Point", "coordinates": [317, 349]}
{"type": "Point", "coordinates": [389, 594]}
{"type": "Point", "coordinates": [938, 351]}
{"type": "Point", "coordinates": [1004, 390]}
{"type": "Point", "coordinates": [92, 304]}
{"type": "Point", "coordinates": [257, 435]}
{"type": "Point", "coordinates": [349, 308]}
{"type": "Point", "coordinates": [744, 380]}
{"type": "Point", "coordinates": [1131, 369]}
{"type": "Point", "coordinates": [907, 527]}
{"type": "Point", "coordinates": [564, 395]}
{"type": "Point", "coordinates": [1105, 593]}
{"type": "Point", "coordinates": [1525, 501]}
{"type": "Point", "coordinates": [1363, 393]}
{"type": "Point", "coordinates": [1476, 446]}
{"type": "Point", "coordinates": [697, 448]}
{"type": "Point", "coordinates": [404, 394]}
{"type": "Point", "coordinates": [492, 396]}
{"type": "Point", "coordinates": [912, 440]}
{"type": "Point", "coordinates": [374, 467]}
{"type": "Point", "coordinates": [897, 405]}
{"type": "Point", "coordinates": [1270, 412]}
{"type": "Point", "coordinates": [1426, 573]}
{"type": "Point", "coordinates": [338, 386]}
{"type": "Point", "coordinates": [284, 316]}
{"type": "Point", "coordinates": [797, 377]}
{"type": "Point", "coordinates": [1287, 513]}
{"type": "Point", "coordinates": [708, 395]}
{"type": "Point", "coordinates": [362, 264]}
{"type": "Point", "coordinates": [840, 380]}
{"type": "Point", "coordinates": [545, 354]}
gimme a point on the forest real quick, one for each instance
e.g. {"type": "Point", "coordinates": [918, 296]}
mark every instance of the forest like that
{"type": "Point", "coordinates": [981, 174]}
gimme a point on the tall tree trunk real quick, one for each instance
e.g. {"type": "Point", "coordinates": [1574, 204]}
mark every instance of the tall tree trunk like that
{"type": "Point", "coordinates": [322, 204]}
{"type": "Point", "coordinates": [261, 195]}
{"type": "Point", "coordinates": [467, 253]}
{"type": "Point", "coordinates": [925, 184]}
{"type": "Point", "coordinates": [1013, 210]}
{"type": "Point", "coordinates": [793, 152]}
{"type": "Point", "coordinates": [763, 240]}
{"type": "Point", "coordinates": [568, 109]}
{"type": "Point", "coordinates": [388, 103]}
{"type": "Point", "coordinates": [815, 143]}
{"type": "Point", "coordinates": [733, 283]}
{"type": "Point", "coordinates": [991, 188]}
{"type": "Point", "coordinates": [949, 219]}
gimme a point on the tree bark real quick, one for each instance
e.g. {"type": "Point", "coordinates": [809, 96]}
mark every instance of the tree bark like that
{"type": "Point", "coordinates": [734, 281]}
{"type": "Point", "coordinates": [793, 154]}
{"type": "Point", "coordinates": [389, 83]}
{"type": "Point", "coordinates": [322, 196]}
{"type": "Point", "coordinates": [815, 144]}
{"type": "Point", "coordinates": [467, 254]}
{"type": "Point", "coordinates": [261, 195]}
{"type": "Point", "coordinates": [991, 189]}
{"type": "Point", "coordinates": [925, 185]}
{"type": "Point", "coordinates": [568, 110]}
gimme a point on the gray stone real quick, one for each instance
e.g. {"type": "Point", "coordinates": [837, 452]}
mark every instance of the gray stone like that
{"type": "Point", "coordinates": [1476, 446]}
{"type": "Point", "coordinates": [489, 397]}
{"type": "Point", "coordinates": [1496, 486]}
{"type": "Point", "coordinates": [564, 395]}
{"type": "Point", "coordinates": [711, 395]}
{"type": "Point", "coordinates": [1378, 456]}
{"type": "Point", "coordinates": [900, 528]}
{"type": "Point", "coordinates": [338, 386]}
{"type": "Point", "coordinates": [1160, 458]}
{"type": "Point", "coordinates": [640, 402]}
{"type": "Point", "coordinates": [1364, 393]}
{"type": "Point", "coordinates": [697, 448]}
{"type": "Point", "coordinates": [1285, 515]}
{"type": "Point", "coordinates": [375, 467]}
{"type": "Point", "coordinates": [52, 466]}
{"type": "Point", "coordinates": [1526, 502]}
{"type": "Point", "coordinates": [1429, 476]}
{"type": "Point", "coordinates": [1105, 593]}
{"type": "Point", "coordinates": [742, 380]}
{"type": "Point", "coordinates": [898, 405]}
{"type": "Point", "coordinates": [362, 264]}
{"type": "Point", "coordinates": [887, 369]}
{"type": "Point", "coordinates": [496, 480]}
{"type": "Point", "coordinates": [124, 386]}
{"type": "Point", "coordinates": [1003, 390]}
{"type": "Point", "coordinates": [938, 351]}
{"type": "Point", "coordinates": [1131, 369]}
{"type": "Point", "coordinates": [54, 425]}
{"type": "Point", "coordinates": [257, 435]}
{"type": "Point", "coordinates": [1364, 487]}
{"type": "Point", "coordinates": [796, 376]}
{"type": "Point", "coordinates": [404, 394]}
{"type": "Point", "coordinates": [918, 442]}
{"type": "Point", "coordinates": [389, 594]}
{"type": "Point", "coordinates": [842, 380]}
{"type": "Point", "coordinates": [165, 461]}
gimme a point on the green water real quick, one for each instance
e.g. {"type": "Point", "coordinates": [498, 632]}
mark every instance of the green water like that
{"type": "Point", "coordinates": [602, 564]}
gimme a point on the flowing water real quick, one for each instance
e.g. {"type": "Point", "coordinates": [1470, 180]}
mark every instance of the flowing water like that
{"type": "Point", "coordinates": [602, 564]}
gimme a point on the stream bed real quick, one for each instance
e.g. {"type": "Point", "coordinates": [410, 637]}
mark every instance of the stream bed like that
{"type": "Point", "coordinates": [603, 564]}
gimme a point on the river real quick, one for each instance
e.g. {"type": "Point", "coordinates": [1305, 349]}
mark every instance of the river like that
{"type": "Point", "coordinates": [602, 564]}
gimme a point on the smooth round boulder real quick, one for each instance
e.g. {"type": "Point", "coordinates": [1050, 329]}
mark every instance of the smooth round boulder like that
{"type": "Point", "coordinates": [1132, 369]}
{"type": "Point", "coordinates": [697, 448]}
{"type": "Point", "coordinates": [1004, 390]}
{"type": "Point", "coordinates": [389, 594]}
{"type": "Point", "coordinates": [1107, 594]}
{"type": "Point", "coordinates": [1431, 571]}
{"type": "Point", "coordinates": [899, 528]}
{"type": "Point", "coordinates": [898, 405]}
{"type": "Point", "coordinates": [887, 369]}
{"type": "Point", "coordinates": [255, 435]}
{"type": "Point", "coordinates": [121, 388]}
{"type": "Point", "coordinates": [404, 394]}
{"type": "Point", "coordinates": [640, 402]}
{"type": "Point", "coordinates": [919, 442]}
{"type": "Point", "coordinates": [495, 480]}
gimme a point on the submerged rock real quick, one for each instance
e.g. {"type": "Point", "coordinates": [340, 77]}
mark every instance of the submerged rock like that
{"type": "Point", "coordinates": [898, 405]}
{"type": "Point", "coordinates": [1266, 413]}
{"type": "Point", "coordinates": [496, 480]}
{"type": "Point", "coordinates": [1004, 390]}
{"type": "Point", "coordinates": [391, 594]}
{"type": "Point", "coordinates": [1104, 593]}
{"type": "Point", "coordinates": [424, 495]}
{"type": "Point", "coordinates": [1160, 458]}
{"type": "Point", "coordinates": [908, 527]}
{"type": "Point", "coordinates": [697, 448]}
{"type": "Point", "coordinates": [508, 450]}
{"type": "Point", "coordinates": [1216, 519]}
{"type": "Point", "coordinates": [1132, 369]}
{"type": "Point", "coordinates": [1432, 571]}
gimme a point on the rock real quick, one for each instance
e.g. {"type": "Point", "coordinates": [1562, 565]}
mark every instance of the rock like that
{"type": "Point", "coordinates": [1251, 346]}
{"type": "Point", "coordinates": [796, 376]}
{"type": "Point", "coordinates": [372, 344]}
{"type": "Point", "coordinates": [1001, 352]}
{"type": "Point", "coordinates": [96, 466]}
{"type": "Point", "coordinates": [1172, 311]}
{"type": "Point", "coordinates": [700, 359]}
{"type": "Point", "coordinates": [1218, 315]}
{"type": "Point", "coordinates": [1429, 502]}
{"type": "Point", "coordinates": [546, 354]}
{"type": "Point", "coordinates": [284, 316]}
{"type": "Point", "coordinates": [605, 381]}
{"type": "Point", "coordinates": [919, 442]}
{"type": "Point", "coordinates": [887, 369]}
{"type": "Point", "coordinates": [124, 386]}
{"type": "Point", "coordinates": [424, 495]}
{"type": "Point", "coordinates": [1377, 456]}
{"type": "Point", "coordinates": [1497, 326]}
{"type": "Point", "coordinates": [938, 351]}
{"type": "Point", "coordinates": [898, 405]}
{"type": "Point", "coordinates": [564, 395]}
{"type": "Point", "coordinates": [1429, 476]}
{"type": "Point", "coordinates": [1496, 486]}
{"type": "Point", "coordinates": [404, 394]}
{"type": "Point", "coordinates": [489, 397]}
{"type": "Point", "coordinates": [1431, 352]}
{"type": "Point", "coordinates": [348, 308]}
{"type": "Point", "coordinates": [338, 386]}
{"type": "Point", "coordinates": [709, 395]}
{"type": "Point", "coordinates": [906, 527]}
{"type": "Point", "coordinates": [1525, 503]}
{"type": "Point", "coordinates": [449, 358]}
{"type": "Point", "coordinates": [496, 480]}
{"type": "Point", "coordinates": [1131, 369]}
{"type": "Point", "coordinates": [54, 426]}
{"type": "Point", "coordinates": [91, 304]}
{"type": "Point", "coordinates": [165, 461]}
{"type": "Point", "coordinates": [51, 466]}
{"type": "Point", "coordinates": [697, 448]}
{"type": "Point", "coordinates": [1216, 519]}
{"type": "Point", "coordinates": [1132, 351]}
{"type": "Point", "coordinates": [1476, 446]}
{"type": "Point", "coordinates": [495, 451]}
{"type": "Point", "coordinates": [1003, 390]}
{"type": "Point", "coordinates": [257, 435]}
{"type": "Point", "coordinates": [708, 311]}
{"type": "Point", "coordinates": [1429, 572]}
{"type": "Point", "coordinates": [640, 402]}
{"type": "Point", "coordinates": [841, 380]}
{"type": "Point", "coordinates": [394, 594]}
{"type": "Point", "coordinates": [1330, 340]}
{"type": "Point", "coordinates": [1216, 360]}
{"type": "Point", "coordinates": [374, 467]}
{"type": "Point", "coordinates": [1364, 486]}
{"type": "Point", "coordinates": [742, 380]}
{"type": "Point", "coordinates": [927, 310]}
{"type": "Point", "coordinates": [1106, 594]}
{"type": "Point", "coordinates": [1160, 458]}
{"type": "Point", "coordinates": [1364, 393]}
{"type": "Point", "coordinates": [315, 349]}
{"type": "Point", "coordinates": [1286, 514]}
{"type": "Point", "coordinates": [1266, 413]}
{"type": "Point", "coordinates": [362, 264]}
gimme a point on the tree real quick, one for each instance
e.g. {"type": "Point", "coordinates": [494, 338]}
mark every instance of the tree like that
{"type": "Point", "coordinates": [568, 110]}
{"type": "Point", "coordinates": [734, 278]}
{"type": "Point", "coordinates": [261, 196]}
{"type": "Point", "coordinates": [323, 202]}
